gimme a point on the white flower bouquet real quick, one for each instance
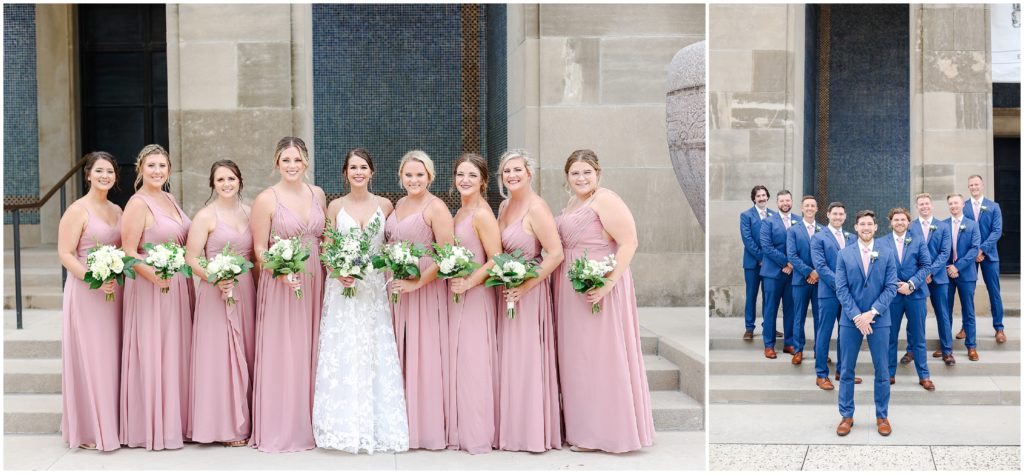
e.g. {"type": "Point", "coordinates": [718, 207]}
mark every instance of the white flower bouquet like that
{"type": "Point", "coordinates": [286, 257]}
{"type": "Point", "coordinates": [224, 266]}
{"type": "Point", "coordinates": [401, 259]}
{"type": "Point", "coordinates": [167, 259]}
{"type": "Point", "coordinates": [348, 253]}
{"type": "Point", "coordinates": [105, 263]}
{"type": "Point", "coordinates": [510, 271]}
{"type": "Point", "coordinates": [453, 261]}
{"type": "Point", "coordinates": [587, 275]}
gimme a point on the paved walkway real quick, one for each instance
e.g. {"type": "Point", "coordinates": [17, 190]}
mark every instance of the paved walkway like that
{"type": "Point", "coordinates": [826, 457]}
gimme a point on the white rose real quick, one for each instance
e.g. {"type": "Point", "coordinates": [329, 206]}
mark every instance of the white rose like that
{"type": "Point", "coordinates": [517, 268]}
{"type": "Point", "coordinates": [287, 254]}
{"type": "Point", "coordinates": [117, 266]}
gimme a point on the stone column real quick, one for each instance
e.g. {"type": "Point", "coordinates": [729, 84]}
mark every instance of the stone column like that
{"type": "Point", "coordinates": [238, 81]}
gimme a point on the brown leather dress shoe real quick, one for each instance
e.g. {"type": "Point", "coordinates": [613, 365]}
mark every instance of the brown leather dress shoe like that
{"type": "Point", "coordinates": [798, 358]}
{"type": "Point", "coordinates": [892, 380]}
{"type": "Point", "coordinates": [948, 359]}
{"type": "Point", "coordinates": [962, 334]}
{"type": "Point", "coordinates": [778, 334]}
{"type": "Point", "coordinates": [824, 383]}
{"type": "Point", "coordinates": [972, 354]}
{"type": "Point", "coordinates": [883, 426]}
{"type": "Point", "coordinates": [856, 380]}
{"type": "Point", "coordinates": [907, 358]}
{"type": "Point", "coordinates": [937, 353]}
{"type": "Point", "coordinates": [1000, 336]}
{"type": "Point", "coordinates": [928, 385]}
{"type": "Point", "coordinates": [844, 427]}
{"type": "Point", "coordinates": [769, 353]}
{"type": "Point", "coordinates": [748, 336]}
{"type": "Point", "coordinates": [787, 349]}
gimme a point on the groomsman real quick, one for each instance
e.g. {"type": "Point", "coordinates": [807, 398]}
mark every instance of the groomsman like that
{"type": "Point", "coordinates": [750, 233]}
{"type": "Point", "coordinates": [825, 247]}
{"type": "Point", "coordinates": [805, 277]}
{"type": "Point", "coordinates": [866, 284]}
{"type": "Point", "coordinates": [777, 273]}
{"type": "Point", "coordinates": [961, 267]}
{"type": "Point", "coordinates": [913, 264]}
{"type": "Point", "coordinates": [935, 234]}
{"type": "Point", "coordinates": [989, 217]}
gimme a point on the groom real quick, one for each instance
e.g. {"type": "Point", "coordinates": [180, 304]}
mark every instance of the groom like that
{"type": "Point", "coordinates": [865, 284]}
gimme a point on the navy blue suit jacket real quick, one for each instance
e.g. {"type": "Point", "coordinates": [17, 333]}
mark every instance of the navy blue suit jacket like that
{"type": "Point", "coordinates": [773, 244]}
{"type": "Point", "coordinates": [858, 293]}
{"type": "Point", "coordinates": [824, 249]}
{"type": "Point", "coordinates": [798, 251]}
{"type": "Point", "coordinates": [916, 264]}
{"type": "Point", "coordinates": [750, 233]}
{"type": "Point", "coordinates": [967, 243]}
{"type": "Point", "coordinates": [990, 223]}
{"type": "Point", "coordinates": [940, 247]}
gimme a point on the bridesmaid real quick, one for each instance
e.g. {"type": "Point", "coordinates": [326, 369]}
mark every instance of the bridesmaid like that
{"type": "Point", "coordinates": [421, 315]}
{"type": "Point", "coordinates": [223, 336]}
{"type": "Point", "coordinates": [287, 328]}
{"type": "Point", "coordinates": [605, 400]}
{"type": "Point", "coordinates": [157, 326]}
{"type": "Point", "coordinates": [527, 374]}
{"type": "Point", "coordinates": [473, 356]}
{"type": "Point", "coordinates": [91, 354]}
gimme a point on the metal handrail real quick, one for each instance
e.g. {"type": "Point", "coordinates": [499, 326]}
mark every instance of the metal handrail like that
{"type": "Point", "coordinates": [15, 210]}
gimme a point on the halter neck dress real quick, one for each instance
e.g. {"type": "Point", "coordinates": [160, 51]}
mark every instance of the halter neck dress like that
{"type": "Point", "coordinates": [605, 398]}
{"type": "Point", "coordinates": [223, 347]}
{"type": "Point", "coordinates": [157, 346]}
{"type": "Point", "coordinates": [91, 350]}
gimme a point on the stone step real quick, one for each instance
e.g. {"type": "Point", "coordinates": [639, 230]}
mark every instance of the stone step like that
{"type": "Point", "coordinates": [783, 389]}
{"type": "Point", "coordinates": [675, 411]}
{"type": "Point", "coordinates": [661, 373]}
{"type": "Point", "coordinates": [38, 256]}
{"type": "Point", "coordinates": [648, 342]}
{"type": "Point", "coordinates": [48, 277]}
{"type": "Point", "coordinates": [750, 362]}
{"type": "Point", "coordinates": [34, 297]}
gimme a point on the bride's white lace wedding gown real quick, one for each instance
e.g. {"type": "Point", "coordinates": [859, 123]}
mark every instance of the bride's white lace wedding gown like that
{"type": "Point", "coordinates": [359, 400]}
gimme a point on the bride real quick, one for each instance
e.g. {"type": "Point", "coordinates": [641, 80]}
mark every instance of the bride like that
{"type": "Point", "coordinates": [359, 401]}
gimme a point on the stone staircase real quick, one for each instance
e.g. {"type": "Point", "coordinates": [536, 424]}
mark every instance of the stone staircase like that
{"type": "Point", "coordinates": [32, 384]}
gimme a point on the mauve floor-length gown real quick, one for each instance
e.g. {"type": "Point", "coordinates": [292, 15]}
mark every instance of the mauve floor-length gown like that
{"type": "Point", "coordinates": [287, 332]}
{"type": "Point", "coordinates": [605, 400]}
{"type": "Point", "coordinates": [223, 348]}
{"type": "Point", "coordinates": [91, 351]}
{"type": "Point", "coordinates": [156, 347]}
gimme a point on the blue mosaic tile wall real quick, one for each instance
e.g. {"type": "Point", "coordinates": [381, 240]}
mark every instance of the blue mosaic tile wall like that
{"type": "Point", "coordinates": [869, 97]}
{"type": "Point", "coordinates": [21, 135]}
{"type": "Point", "coordinates": [496, 134]}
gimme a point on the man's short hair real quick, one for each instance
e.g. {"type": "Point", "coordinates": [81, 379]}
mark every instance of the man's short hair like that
{"type": "Point", "coordinates": [808, 196]}
{"type": "Point", "coordinates": [865, 213]}
{"type": "Point", "coordinates": [753, 192]}
{"type": "Point", "coordinates": [899, 210]}
{"type": "Point", "coordinates": [950, 195]}
{"type": "Point", "coordinates": [922, 195]}
{"type": "Point", "coordinates": [975, 176]}
{"type": "Point", "coordinates": [784, 192]}
{"type": "Point", "coordinates": [835, 204]}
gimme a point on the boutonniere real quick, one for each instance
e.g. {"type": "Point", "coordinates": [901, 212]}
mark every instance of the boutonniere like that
{"type": "Point", "coordinates": [817, 229]}
{"type": "Point", "coordinates": [932, 227]}
{"type": "Point", "coordinates": [767, 212]}
{"type": "Point", "coordinates": [874, 256]}
{"type": "Point", "coordinates": [963, 226]}
{"type": "Point", "coordinates": [907, 241]}
{"type": "Point", "coordinates": [984, 208]}
{"type": "Point", "coordinates": [792, 222]}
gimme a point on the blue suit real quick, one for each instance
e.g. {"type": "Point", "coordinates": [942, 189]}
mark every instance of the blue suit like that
{"type": "Point", "coordinates": [798, 251]}
{"type": "Point", "coordinates": [824, 250]}
{"type": "Point", "coordinates": [776, 283]}
{"type": "Point", "coordinates": [939, 244]}
{"type": "Point", "coordinates": [914, 268]}
{"type": "Point", "coordinates": [750, 233]}
{"type": "Point", "coordinates": [990, 223]}
{"type": "Point", "coordinates": [966, 248]}
{"type": "Point", "coordinates": [858, 294]}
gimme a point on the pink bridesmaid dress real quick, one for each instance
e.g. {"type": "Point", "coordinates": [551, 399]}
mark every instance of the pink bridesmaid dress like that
{"type": "Point", "coordinates": [287, 332]}
{"type": "Point", "coordinates": [473, 358]}
{"type": "Point", "coordinates": [421, 332]}
{"type": "Point", "coordinates": [156, 347]}
{"type": "Point", "coordinates": [529, 418]}
{"type": "Point", "coordinates": [605, 400]}
{"type": "Point", "coordinates": [91, 351]}
{"type": "Point", "coordinates": [223, 348]}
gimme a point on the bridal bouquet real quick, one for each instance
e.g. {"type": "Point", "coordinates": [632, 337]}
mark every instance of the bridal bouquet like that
{"type": "Point", "coordinates": [225, 266]}
{"type": "Point", "coordinates": [453, 261]}
{"type": "Point", "coordinates": [510, 271]}
{"type": "Point", "coordinates": [348, 253]}
{"type": "Point", "coordinates": [402, 259]}
{"type": "Point", "coordinates": [105, 263]}
{"type": "Point", "coordinates": [167, 259]}
{"type": "Point", "coordinates": [286, 257]}
{"type": "Point", "coordinates": [587, 275]}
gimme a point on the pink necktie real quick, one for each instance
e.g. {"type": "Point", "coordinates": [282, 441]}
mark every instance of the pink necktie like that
{"type": "Point", "coordinates": [810, 230]}
{"type": "Point", "coordinates": [977, 209]}
{"type": "Point", "coordinates": [899, 248]}
{"type": "Point", "coordinates": [761, 212]}
{"type": "Point", "coordinates": [842, 241]}
{"type": "Point", "coordinates": [924, 229]}
{"type": "Point", "coordinates": [785, 222]}
{"type": "Point", "coordinates": [864, 257]}
{"type": "Point", "coordinates": [956, 232]}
